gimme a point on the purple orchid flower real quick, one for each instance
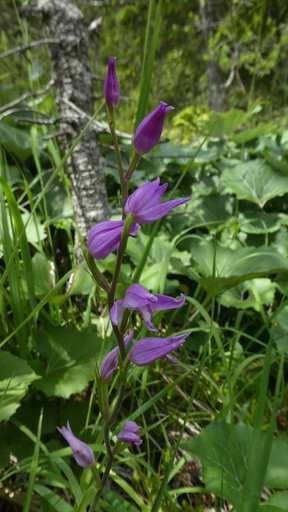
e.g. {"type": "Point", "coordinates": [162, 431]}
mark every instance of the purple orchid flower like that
{"type": "Point", "coordinates": [110, 362]}
{"type": "Point", "coordinates": [138, 298]}
{"type": "Point", "coordinates": [83, 454]}
{"type": "Point", "coordinates": [147, 350]}
{"type": "Point", "coordinates": [149, 130]}
{"type": "Point", "coordinates": [144, 203]}
{"type": "Point", "coordinates": [105, 237]}
{"type": "Point", "coordinates": [111, 86]}
{"type": "Point", "coordinates": [129, 433]}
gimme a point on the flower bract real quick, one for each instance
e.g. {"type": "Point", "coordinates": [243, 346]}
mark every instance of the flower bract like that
{"type": "Point", "coordinates": [138, 298]}
{"type": "Point", "coordinates": [83, 454]}
{"type": "Point", "coordinates": [149, 131]}
{"type": "Point", "coordinates": [129, 433]}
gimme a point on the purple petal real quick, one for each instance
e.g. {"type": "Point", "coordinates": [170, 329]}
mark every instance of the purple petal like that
{"type": "Point", "coordinates": [110, 361]}
{"type": "Point", "coordinates": [111, 86]}
{"type": "Point", "coordinates": [157, 212]}
{"type": "Point", "coordinates": [147, 315]}
{"type": "Point", "coordinates": [83, 454]}
{"type": "Point", "coordinates": [166, 302]}
{"type": "Point", "coordinates": [146, 196]}
{"type": "Point", "coordinates": [147, 350]}
{"type": "Point", "coordinates": [129, 433]}
{"type": "Point", "coordinates": [137, 296]}
{"type": "Point", "coordinates": [149, 131]}
{"type": "Point", "coordinates": [116, 311]}
{"type": "Point", "coordinates": [105, 237]}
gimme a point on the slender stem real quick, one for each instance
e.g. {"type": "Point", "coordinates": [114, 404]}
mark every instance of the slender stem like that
{"type": "Point", "coordinates": [123, 182]}
{"type": "Point", "coordinates": [97, 275]}
{"type": "Point", "coordinates": [133, 164]}
{"type": "Point", "coordinates": [126, 230]}
{"type": "Point", "coordinates": [109, 461]}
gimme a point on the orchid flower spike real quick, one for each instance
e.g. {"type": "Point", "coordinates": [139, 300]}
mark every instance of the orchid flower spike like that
{"type": "Point", "coordinates": [129, 433]}
{"type": "Point", "coordinates": [149, 131]}
{"type": "Point", "coordinates": [83, 454]}
{"type": "Point", "coordinates": [138, 298]}
{"type": "Point", "coordinates": [111, 86]}
{"type": "Point", "coordinates": [145, 205]}
{"type": "Point", "coordinates": [147, 350]}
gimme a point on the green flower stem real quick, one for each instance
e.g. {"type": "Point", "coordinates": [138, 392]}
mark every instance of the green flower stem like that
{"type": "Point", "coordinates": [133, 164]}
{"type": "Point", "coordinates": [109, 461]}
{"type": "Point", "coordinates": [123, 182]}
{"type": "Point", "coordinates": [126, 229]}
{"type": "Point", "coordinates": [97, 275]}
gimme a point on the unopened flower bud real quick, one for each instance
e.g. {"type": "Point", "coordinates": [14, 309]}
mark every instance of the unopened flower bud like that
{"type": "Point", "coordinates": [83, 454]}
{"type": "Point", "coordinates": [129, 433]}
{"type": "Point", "coordinates": [111, 86]}
{"type": "Point", "coordinates": [149, 130]}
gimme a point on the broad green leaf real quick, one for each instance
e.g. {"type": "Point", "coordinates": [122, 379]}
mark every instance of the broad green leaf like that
{"type": "Point", "coordinates": [280, 329]}
{"type": "Point", "coordinates": [42, 277]}
{"type": "Point", "coordinates": [227, 123]}
{"type": "Point", "coordinates": [233, 265]}
{"type": "Point", "coordinates": [222, 449]}
{"type": "Point", "coordinates": [255, 181]}
{"type": "Point", "coordinates": [277, 471]}
{"type": "Point", "coordinates": [81, 282]}
{"type": "Point", "coordinates": [261, 222]}
{"type": "Point", "coordinates": [212, 210]}
{"type": "Point", "coordinates": [15, 377]}
{"type": "Point", "coordinates": [277, 503]}
{"type": "Point", "coordinates": [254, 133]}
{"type": "Point", "coordinates": [16, 140]}
{"type": "Point", "coordinates": [241, 296]}
{"type": "Point", "coordinates": [69, 356]}
{"type": "Point", "coordinates": [35, 230]}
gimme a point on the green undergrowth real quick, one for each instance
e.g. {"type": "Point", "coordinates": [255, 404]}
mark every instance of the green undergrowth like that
{"type": "Point", "coordinates": [227, 252]}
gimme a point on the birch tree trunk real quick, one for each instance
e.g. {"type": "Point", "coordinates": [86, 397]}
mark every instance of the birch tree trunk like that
{"type": "Point", "coordinates": [217, 92]}
{"type": "Point", "coordinates": [73, 81]}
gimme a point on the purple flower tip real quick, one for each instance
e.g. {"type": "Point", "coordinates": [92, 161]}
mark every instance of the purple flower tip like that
{"type": "Point", "coordinates": [149, 130]}
{"type": "Point", "coordinates": [144, 203]}
{"type": "Point", "coordinates": [111, 86]}
{"type": "Point", "coordinates": [147, 350]}
{"type": "Point", "coordinates": [129, 433]}
{"type": "Point", "coordinates": [83, 454]}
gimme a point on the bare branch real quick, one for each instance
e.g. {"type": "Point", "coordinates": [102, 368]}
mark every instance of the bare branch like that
{"type": "Point", "coordinates": [28, 46]}
{"type": "Point", "coordinates": [27, 95]}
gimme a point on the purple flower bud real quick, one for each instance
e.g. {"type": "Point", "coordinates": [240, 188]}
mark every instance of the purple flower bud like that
{"type": "Point", "coordinates": [83, 454]}
{"type": "Point", "coordinates": [145, 202]}
{"type": "Point", "coordinates": [111, 86]}
{"type": "Point", "coordinates": [129, 433]}
{"type": "Point", "coordinates": [105, 237]}
{"type": "Point", "coordinates": [147, 350]}
{"type": "Point", "coordinates": [110, 362]}
{"type": "Point", "coordinates": [149, 130]}
{"type": "Point", "coordinates": [138, 298]}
